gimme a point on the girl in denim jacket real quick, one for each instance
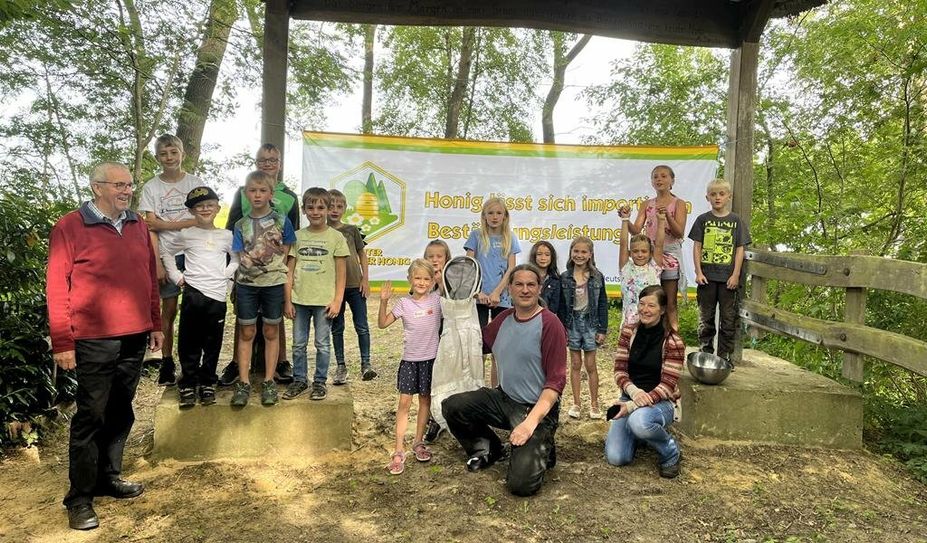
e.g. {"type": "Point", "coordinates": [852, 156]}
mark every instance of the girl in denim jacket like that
{"type": "Point", "coordinates": [584, 313]}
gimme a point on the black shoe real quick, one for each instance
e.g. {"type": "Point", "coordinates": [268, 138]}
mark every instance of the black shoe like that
{"type": "Point", "coordinates": [229, 374]}
{"type": "Point", "coordinates": [166, 373]}
{"type": "Point", "coordinates": [295, 389]}
{"type": "Point", "coordinates": [120, 489]}
{"type": "Point", "coordinates": [284, 373]}
{"type": "Point", "coordinates": [207, 395]}
{"type": "Point", "coordinates": [82, 517]}
{"type": "Point", "coordinates": [241, 395]}
{"type": "Point", "coordinates": [318, 391]}
{"type": "Point", "coordinates": [187, 397]}
{"type": "Point", "coordinates": [672, 470]}
{"type": "Point", "coordinates": [483, 461]}
{"type": "Point", "coordinates": [369, 374]}
{"type": "Point", "coordinates": [433, 432]}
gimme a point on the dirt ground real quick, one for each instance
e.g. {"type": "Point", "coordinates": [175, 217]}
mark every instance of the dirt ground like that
{"type": "Point", "coordinates": [726, 492]}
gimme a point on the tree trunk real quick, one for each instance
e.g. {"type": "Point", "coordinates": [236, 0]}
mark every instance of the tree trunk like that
{"type": "Point", "coordinates": [455, 102]}
{"type": "Point", "coordinates": [370, 34]}
{"type": "Point", "coordinates": [561, 61]}
{"type": "Point", "coordinates": [191, 119]}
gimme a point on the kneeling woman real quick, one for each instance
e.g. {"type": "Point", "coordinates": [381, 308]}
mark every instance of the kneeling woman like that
{"type": "Point", "coordinates": [647, 367]}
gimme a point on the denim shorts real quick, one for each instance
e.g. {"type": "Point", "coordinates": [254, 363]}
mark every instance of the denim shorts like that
{"type": "Point", "coordinates": [581, 336]}
{"type": "Point", "coordinates": [169, 289]}
{"type": "Point", "coordinates": [415, 377]}
{"type": "Point", "coordinates": [267, 300]}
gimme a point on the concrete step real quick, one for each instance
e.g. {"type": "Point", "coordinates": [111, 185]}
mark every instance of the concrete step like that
{"type": "Point", "coordinates": [767, 399]}
{"type": "Point", "coordinates": [298, 427]}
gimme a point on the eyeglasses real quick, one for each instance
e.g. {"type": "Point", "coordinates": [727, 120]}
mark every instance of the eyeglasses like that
{"type": "Point", "coordinates": [118, 185]}
{"type": "Point", "coordinates": [267, 161]}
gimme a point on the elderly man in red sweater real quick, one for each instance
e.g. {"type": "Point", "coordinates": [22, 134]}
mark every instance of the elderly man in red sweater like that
{"type": "Point", "coordinates": [103, 312]}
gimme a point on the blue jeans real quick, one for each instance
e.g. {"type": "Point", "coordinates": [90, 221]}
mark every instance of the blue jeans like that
{"type": "Point", "coordinates": [305, 313]}
{"type": "Point", "coordinates": [647, 424]}
{"type": "Point", "coordinates": [358, 304]}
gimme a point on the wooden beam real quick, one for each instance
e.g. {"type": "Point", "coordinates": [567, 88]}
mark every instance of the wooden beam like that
{"type": "Point", "coordinates": [854, 313]}
{"type": "Point", "coordinates": [901, 350]}
{"type": "Point", "coordinates": [273, 104]}
{"type": "Point", "coordinates": [854, 271]}
{"type": "Point", "coordinates": [738, 162]}
{"type": "Point", "coordinates": [754, 20]}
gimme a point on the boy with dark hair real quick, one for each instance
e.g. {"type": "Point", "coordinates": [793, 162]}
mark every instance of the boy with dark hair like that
{"type": "Point", "coordinates": [210, 265]}
{"type": "Point", "coordinates": [314, 291]}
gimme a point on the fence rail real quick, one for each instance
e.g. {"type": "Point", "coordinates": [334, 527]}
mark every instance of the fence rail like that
{"type": "Point", "coordinates": [856, 274]}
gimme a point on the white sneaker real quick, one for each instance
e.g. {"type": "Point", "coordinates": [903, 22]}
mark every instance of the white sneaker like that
{"type": "Point", "coordinates": [595, 414]}
{"type": "Point", "coordinates": [574, 412]}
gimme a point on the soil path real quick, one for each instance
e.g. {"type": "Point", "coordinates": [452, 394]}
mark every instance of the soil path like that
{"type": "Point", "coordinates": [726, 492]}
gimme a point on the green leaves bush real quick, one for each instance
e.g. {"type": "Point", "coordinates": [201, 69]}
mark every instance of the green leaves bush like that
{"type": "Point", "coordinates": [27, 212]}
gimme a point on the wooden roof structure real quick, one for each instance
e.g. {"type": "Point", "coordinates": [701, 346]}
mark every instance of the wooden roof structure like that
{"type": "Point", "coordinates": [709, 23]}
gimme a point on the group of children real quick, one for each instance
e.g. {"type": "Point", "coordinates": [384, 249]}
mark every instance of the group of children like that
{"type": "Point", "coordinates": [311, 274]}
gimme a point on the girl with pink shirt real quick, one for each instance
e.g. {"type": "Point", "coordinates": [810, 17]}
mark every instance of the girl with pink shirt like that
{"type": "Point", "coordinates": [421, 318]}
{"type": "Point", "coordinates": [666, 203]}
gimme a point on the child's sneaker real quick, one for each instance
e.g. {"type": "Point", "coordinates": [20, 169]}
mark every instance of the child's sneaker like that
{"type": "Point", "coordinates": [207, 395]}
{"type": "Point", "coordinates": [341, 375]}
{"type": "Point", "coordinates": [318, 391]}
{"type": "Point", "coordinates": [166, 373]}
{"type": "Point", "coordinates": [269, 393]}
{"type": "Point", "coordinates": [295, 389]}
{"type": "Point", "coordinates": [284, 372]}
{"type": "Point", "coordinates": [574, 412]}
{"type": "Point", "coordinates": [369, 374]}
{"type": "Point", "coordinates": [595, 414]}
{"type": "Point", "coordinates": [241, 394]}
{"type": "Point", "coordinates": [187, 397]}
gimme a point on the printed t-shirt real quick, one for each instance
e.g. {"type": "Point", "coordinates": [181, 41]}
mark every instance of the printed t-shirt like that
{"type": "Point", "coordinates": [259, 242]}
{"type": "Point", "coordinates": [166, 201]}
{"type": "Point", "coordinates": [314, 275]}
{"type": "Point", "coordinates": [720, 237]}
{"type": "Point", "coordinates": [492, 263]}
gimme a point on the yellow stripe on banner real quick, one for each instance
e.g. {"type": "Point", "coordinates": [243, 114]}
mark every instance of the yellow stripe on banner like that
{"type": "Point", "coordinates": [433, 145]}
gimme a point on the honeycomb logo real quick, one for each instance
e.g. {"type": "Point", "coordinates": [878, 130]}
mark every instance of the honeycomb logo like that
{"type": "Point", "coordinates": [375, 199]}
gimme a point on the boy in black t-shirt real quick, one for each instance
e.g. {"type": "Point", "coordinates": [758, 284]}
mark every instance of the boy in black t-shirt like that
{"type": "Point", "coordinates": [718, 253]}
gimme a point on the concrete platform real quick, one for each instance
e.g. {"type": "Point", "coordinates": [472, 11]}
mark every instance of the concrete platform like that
{"type": "Point", "coordinates": [297, 427]}
{"type": "Point", "coordinates": [768, 399]}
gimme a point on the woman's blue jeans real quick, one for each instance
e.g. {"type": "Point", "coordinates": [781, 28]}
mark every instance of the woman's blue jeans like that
{"type": "Point", "coordinates": [647, 424]}
{"type": "Point", "coordinates": [305, 314]}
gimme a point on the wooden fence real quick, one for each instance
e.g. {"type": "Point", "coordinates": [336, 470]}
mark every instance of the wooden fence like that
{"type": "Point", "coordinates": [855, 274]}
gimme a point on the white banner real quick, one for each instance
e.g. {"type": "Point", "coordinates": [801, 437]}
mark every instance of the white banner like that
{"type": "Point", "coordinates": [403, 192]}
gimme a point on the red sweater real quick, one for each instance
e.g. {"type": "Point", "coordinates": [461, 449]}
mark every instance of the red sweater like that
{"type": "Point", "coordinates": [100, 284]}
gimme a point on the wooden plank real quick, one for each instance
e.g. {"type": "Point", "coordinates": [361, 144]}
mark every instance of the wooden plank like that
{"type": "Point", "coordinates": [757, 294]}
{"type": "Point", "coordinates": [714, 23]}
{"type": "Point", "coordinates": [754, 19]}
{"type": "Point", "coordinates": [844, 272]}
{"type": "Point", "coordinates": [894, 348]}
{"type": "Point", "coordinates": [273, 103]}
{"type": "Point", "coordinates": [855, 313]}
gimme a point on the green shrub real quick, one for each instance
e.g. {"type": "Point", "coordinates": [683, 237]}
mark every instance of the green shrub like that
{"type": "Point", "coordinates": [27, 213]}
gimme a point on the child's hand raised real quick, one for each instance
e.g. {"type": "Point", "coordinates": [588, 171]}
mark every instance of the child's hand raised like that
{"type": "Point", "coordinates": [386, 291]}
{"type": "Point", "coordinates": [624, 212]}
{"type": "Point", "coordinates": [661, 214]}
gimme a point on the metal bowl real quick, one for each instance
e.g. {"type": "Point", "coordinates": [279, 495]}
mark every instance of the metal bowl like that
{"type": "Point", "coordinates": [708, 368]}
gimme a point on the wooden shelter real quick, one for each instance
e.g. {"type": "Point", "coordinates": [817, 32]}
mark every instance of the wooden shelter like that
{"type": "Point", "coordinates": [734, 24]}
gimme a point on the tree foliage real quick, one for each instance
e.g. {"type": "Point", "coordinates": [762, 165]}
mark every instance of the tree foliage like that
{"type": "Point", "coordinates": [496, 95]}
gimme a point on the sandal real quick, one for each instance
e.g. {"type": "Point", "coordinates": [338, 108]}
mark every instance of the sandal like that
{"type": "Point", "coordinates": [397, 463]}
{"type": "Point", "coordinates": [422, 453]}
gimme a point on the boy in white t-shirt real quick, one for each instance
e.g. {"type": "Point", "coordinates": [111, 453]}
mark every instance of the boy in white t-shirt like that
{"type": "Point", "coordinates": [162, 203]}
{"type": "Point", "coordinates": [210, 266]}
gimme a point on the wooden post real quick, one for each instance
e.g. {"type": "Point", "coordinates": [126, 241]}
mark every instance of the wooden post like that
{"type": "Point", "coordinates": [738, 163]}
{"type": "Point", "coordinates": [855, 313]}
{"type": "Point", "coordinates": [758, 295]}
{"type": "Point", "coordinates": [273, 105]}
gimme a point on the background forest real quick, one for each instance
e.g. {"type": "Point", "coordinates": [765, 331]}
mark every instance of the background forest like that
{"type": "Point", "coordinates": [840, 157]}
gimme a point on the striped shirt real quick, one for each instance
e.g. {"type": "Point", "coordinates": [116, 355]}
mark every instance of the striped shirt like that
{"type": "Point", "coordinates": [674, 351]}
{"type": "Point", "coordinates": [420, 322]}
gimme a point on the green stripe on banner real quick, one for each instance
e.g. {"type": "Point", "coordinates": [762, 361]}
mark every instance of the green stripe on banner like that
{"type": "Point", "coordinates": [458, 147]}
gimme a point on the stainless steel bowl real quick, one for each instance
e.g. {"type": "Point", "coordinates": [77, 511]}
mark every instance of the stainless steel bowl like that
{"type": "Point", "coordinates": [708, 368]}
